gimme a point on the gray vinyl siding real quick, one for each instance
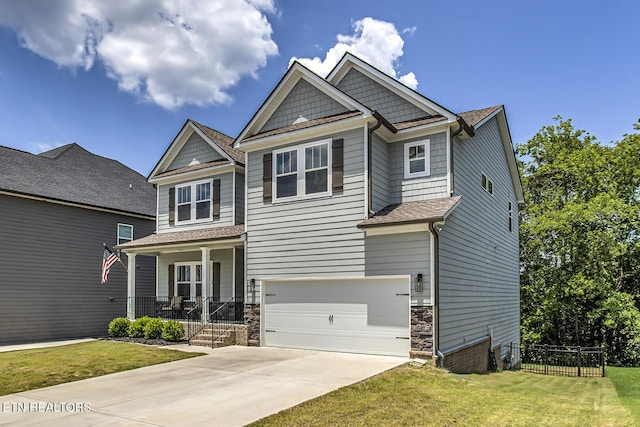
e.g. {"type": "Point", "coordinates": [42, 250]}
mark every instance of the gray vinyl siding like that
{"type": "Point", "coordinates": [404, 253]}
{"type": "Point", "coordinates": [223, 256]}
{"type": "Point", "coordinates": [421, 188]}
{"type": "Point", "coordinates": [479, 270]}
{"type": "Point", "coordinates": [194, 151]}
{"type": "Point", "coordinates": [50, 264]}
{"type": "Point", "coordinates": [304, 100]}
{"type": "Point", "coordinates": [375, 96]}
{"type": "Point", "coordinates": [227, 214]}
{"type": "Point", "coordinates": [239, 195]}
{"type": "Point", "coordinates": [381, 191]}
{"type": "Point", "coordinates": [308, 237]}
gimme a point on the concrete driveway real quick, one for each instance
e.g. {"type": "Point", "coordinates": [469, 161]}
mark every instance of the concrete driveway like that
{"type": "Point", "coordinates": [230, 386]}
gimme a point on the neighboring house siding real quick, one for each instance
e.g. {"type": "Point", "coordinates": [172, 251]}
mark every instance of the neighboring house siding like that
{"type": "Point", "coordinates": [312, 237]}
{"type": "Point", "coordinates": [194, 151]}
{"type": "Point", "coordinates": [479, 283]}
{"type": "Point", "coordinates": [392, 106]}
{"type": "Point", "coordinates": [226, 206]}
{"type": "Point", "coordinates": [50, 264]}
{"type": "Point", "coordinates": [404, 253]}
{"type": "Point", "coordinates": [422, 188]}
{"type": "Point", "coordinates": [380, 181]}
{"type": "Point", "coordinates": [304, 100]}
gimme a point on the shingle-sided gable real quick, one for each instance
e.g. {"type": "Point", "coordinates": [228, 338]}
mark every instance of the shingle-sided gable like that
{"type": "Point", "coordinates": [304, 101]}
{"type": "Point", "coordinates": [195, 151]}
{"type": "Point", "coordinates": [372, 94]}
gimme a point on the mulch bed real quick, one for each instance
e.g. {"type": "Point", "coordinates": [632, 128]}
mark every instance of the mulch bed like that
{"type": "Point", "coordinates": [145, 341]}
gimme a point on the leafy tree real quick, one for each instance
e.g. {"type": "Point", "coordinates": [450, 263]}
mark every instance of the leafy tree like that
{"type": "Point", "coordinates": [580, 241]}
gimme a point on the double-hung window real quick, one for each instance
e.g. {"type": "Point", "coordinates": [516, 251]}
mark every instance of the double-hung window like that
{"type": "Point", "coordinates": [188, 280]}
{"type": "Point", "coordinates": [416, 159]}
{"type": "Point", "coordinates": [193, 202]}
{"type": "Point", "coordinates": [302, 171]}
{"type": "Point", "coordinates": [125, 233]}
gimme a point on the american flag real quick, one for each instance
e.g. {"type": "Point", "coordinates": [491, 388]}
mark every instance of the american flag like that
{"type": "Point", "coordinates": [108, 259]}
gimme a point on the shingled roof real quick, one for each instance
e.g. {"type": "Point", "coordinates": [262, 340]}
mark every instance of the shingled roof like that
{"type": "Point", "coordinates": [72, 174]}
{"type": "Point", "coordinates": [412, 212]}
{"type": "Point", "coordinates": [223, 141]}
{"type": "Point", "coordinates": [190, 236]}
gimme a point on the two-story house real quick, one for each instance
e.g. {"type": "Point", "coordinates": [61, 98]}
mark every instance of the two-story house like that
{"type": "Point", "coordinates": [375, 220]}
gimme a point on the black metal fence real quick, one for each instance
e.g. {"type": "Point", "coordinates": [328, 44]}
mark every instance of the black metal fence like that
{"type": "Point", "coordinates": [572, 361]}
{"type": "Point", "coordinates": [222, 316]}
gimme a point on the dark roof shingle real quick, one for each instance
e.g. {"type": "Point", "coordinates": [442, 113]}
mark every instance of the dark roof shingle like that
{"type": "Point", "coordinates": [72, 174]}
{"type": "Point", "coordinates": [412, 212]}
{"type": "Point", "coordinates": [474, 117]}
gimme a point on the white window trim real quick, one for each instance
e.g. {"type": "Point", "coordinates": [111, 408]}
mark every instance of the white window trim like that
{"type": "Point", "coordinates": [487, 185]}
{"type": "Point", "coordinates": [427, 159]}
{"type": "Point", "coordinates": [192, 281]}
{"type": "Point", "coordinates": [192, 218]}
{"type": "Point", "coordinates": [118, 237]}
{"type": "Point", "coordinates": [301, 182]}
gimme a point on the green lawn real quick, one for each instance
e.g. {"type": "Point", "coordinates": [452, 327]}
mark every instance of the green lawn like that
{"type": "Point", "coordinates": [30, 369]}
{"type": "Point", "coordinates": [429, 396]}
{"type": "Point", "coordinates": [627, 384]}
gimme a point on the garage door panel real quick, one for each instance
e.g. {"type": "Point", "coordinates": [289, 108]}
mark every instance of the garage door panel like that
{"type": "Point", "coordinates": [369, 315]}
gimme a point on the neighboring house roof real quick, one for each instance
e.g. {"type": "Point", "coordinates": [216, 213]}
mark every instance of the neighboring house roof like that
{"type": "Point", "coordinates": [412, 212]}
{"type": "Point", "coordinates": [207, 234]}
{"type": "Point", "coordinates": [74, 175]}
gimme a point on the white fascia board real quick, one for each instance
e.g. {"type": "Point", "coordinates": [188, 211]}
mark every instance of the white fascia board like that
{"type": "Point", "coordinates": [279, 94]}
{"type": "Point", "coordinates": [303, 134]}
{"type": "Point", "coordinates": [396, 229]}
{"type": "Point", "coordinates": [185, 247]}
{"type": "Point", "coordinates": [197, 174]}
{"type": "Point", "coordinates": [348, 61]}
{"type": "Point", "coordinates": [419, 131]}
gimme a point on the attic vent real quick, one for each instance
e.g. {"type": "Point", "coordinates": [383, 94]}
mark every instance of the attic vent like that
{"type": "Point", "coordinates": [194, 162]}
{"type": "Point", "coordinates": [300, 119]}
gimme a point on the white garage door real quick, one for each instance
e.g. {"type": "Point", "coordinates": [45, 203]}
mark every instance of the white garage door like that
{"type": "Point", "coordinates": [365, 315]}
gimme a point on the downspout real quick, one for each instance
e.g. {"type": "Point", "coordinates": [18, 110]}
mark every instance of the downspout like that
{"type": "Point", "coordinates": [436, 294]}
{"type": "Point", "coordinates": [370, 132]}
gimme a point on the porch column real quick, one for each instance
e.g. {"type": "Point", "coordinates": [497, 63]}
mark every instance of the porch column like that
{"type": "Point", "coordinates": [206, 274]}
{"type": "Point", "coordinates": [131, 286]}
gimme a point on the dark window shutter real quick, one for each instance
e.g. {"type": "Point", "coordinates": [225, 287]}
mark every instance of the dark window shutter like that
{"type": "Point", "coordinates": [172, 205]}
{"type": "Point", "coordinates": [171, 280]}
{"type": "Point", "coordinates": [267, 170]}
{"type": "Point", "coordinates": [338, 164]}
{"type": "Point", "coordinates": [216, 199]}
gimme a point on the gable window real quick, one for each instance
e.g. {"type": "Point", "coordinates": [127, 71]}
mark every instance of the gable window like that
{"type": "Point", "coordinates": [125, 233]}
{"type": "Point", "coordinates": [193, 202]}
{"type": "Point", "coordinates": [416, 159]}
{"type": "Point", "coordinates": [487, 184]}
{"type": "Point", "coordinates": [307, 177]}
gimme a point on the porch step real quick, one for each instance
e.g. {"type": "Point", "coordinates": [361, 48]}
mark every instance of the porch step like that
{"type": "Point", "coordinates": [204, 338]}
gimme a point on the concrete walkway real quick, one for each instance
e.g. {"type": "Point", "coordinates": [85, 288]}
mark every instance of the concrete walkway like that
{"type": "Point", "coordinates": [15, 347]}
{"type": "Point", "coordinates": [230, 386]}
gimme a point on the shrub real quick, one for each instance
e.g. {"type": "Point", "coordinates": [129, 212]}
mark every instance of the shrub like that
{"type": "Point", "coordinates": [153, 328]}
{"type": "Point", "coordinates": [172, 330]}
{"type": "Point", "coordinates": [119, 327]}
{"type": "Point", "coordinates": [136, 329]}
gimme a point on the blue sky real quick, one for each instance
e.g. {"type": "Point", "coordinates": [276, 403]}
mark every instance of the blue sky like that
{"type": "Point", "coordinates": [120, 80]}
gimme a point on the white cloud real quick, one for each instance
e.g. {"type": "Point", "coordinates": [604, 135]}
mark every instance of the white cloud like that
{"type": "Point", "coordinates": [169, 52]}
{"type": "Point", "coordinates": [376, 42]}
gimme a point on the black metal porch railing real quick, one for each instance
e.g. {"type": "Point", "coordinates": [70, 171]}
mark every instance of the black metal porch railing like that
{"type": "Point", "coordinates": [222, 316]}
{"type": "Point", "coordinates": [574, 361]}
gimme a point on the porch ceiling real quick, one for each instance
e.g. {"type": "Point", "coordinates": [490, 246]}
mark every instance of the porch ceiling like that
{"type": "Point", "coordinates": [178, 241]}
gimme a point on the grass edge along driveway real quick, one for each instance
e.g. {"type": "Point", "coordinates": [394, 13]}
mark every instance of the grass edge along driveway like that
{"type": "Point", "coordinates": [43, 367]}
{"type": "Point", "coordinates": [428, 396]}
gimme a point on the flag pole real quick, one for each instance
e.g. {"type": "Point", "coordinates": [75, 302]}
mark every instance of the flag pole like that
{"type": "Point", "coordinates": [118, 255]}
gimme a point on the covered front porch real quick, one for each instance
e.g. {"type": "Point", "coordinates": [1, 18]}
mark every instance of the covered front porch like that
{"type": "Point", "coordinates": [199, 274]}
